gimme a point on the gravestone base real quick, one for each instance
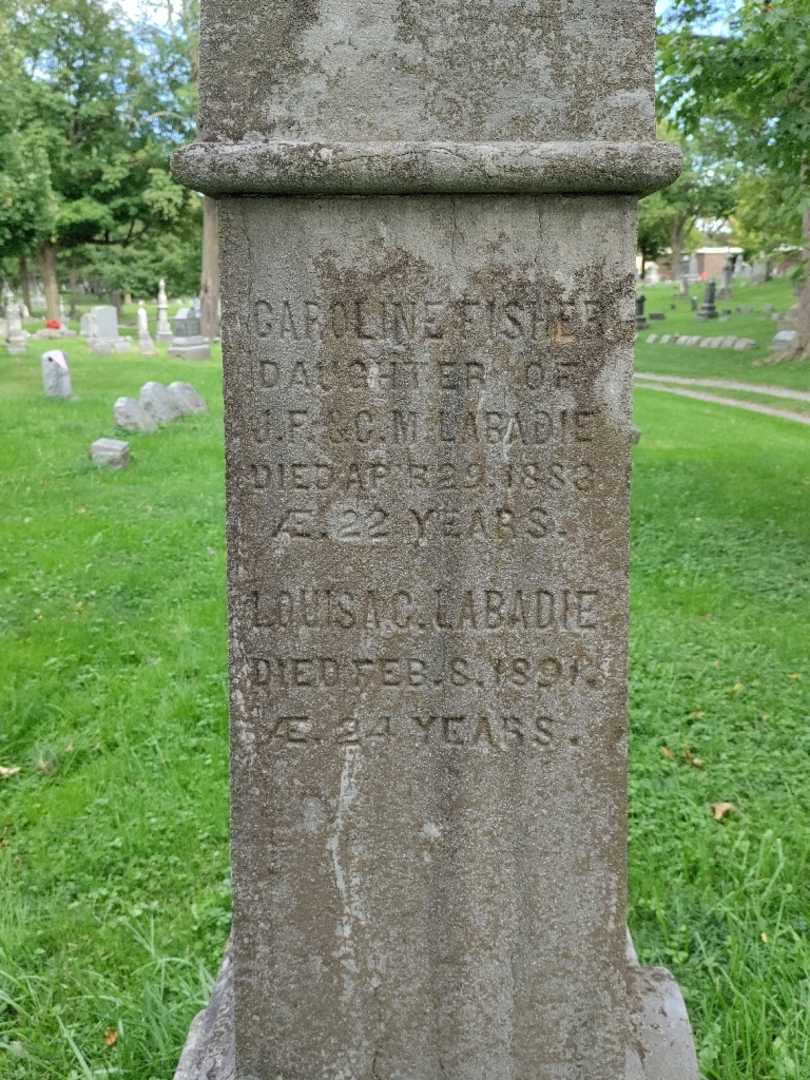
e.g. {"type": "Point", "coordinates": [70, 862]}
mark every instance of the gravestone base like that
{"type": "Point", "coordinates": [661, 1046]}
{"type": "Point", "coordinates": [191, 348]}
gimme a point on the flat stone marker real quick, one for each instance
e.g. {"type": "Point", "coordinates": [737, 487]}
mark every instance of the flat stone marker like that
{"type": "Point", "coordinates": [56, 374]}
{"type": "Point", "coordinates": [157, 402]}
{"type": "Point", "coordinates": [186, 398]}
{"type": "Point", "coordinates": [785, 339]}
{"type": "Point", "coordinates": [130, 415]}
{"type": "Point", "coordinates": [111, 453]}
{"type": "Point", "coordinates": [428, 419]}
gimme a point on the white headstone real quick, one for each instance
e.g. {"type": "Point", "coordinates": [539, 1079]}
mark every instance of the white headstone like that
{"type": "Point", "coordinates": [164, 330]}
{"type": "Point", "coordinates": [56, 374]}
{"type": "Point", "coordinates": [145, 343]}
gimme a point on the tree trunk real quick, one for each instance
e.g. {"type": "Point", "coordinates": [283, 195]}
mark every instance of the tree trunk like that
{"type": "Point", "coordinates": [803, 319]}
{"type": "Point", "coordinates": [25, 282]}
{"type": "Point", "coordinates": [209, 279]}
{"type": "Point", "coordinates": [47, 261]}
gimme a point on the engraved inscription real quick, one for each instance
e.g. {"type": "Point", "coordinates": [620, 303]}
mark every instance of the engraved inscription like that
{"type": "Point", "coordinates": [456, 731]}
{"type": "Point", "coordinates": [490, 610]}
{"type": "Point", "coordinates": [407, 423]}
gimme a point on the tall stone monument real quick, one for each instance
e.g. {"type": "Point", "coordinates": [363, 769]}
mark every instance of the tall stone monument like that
{"type": "Point", "coordinates": [428, 225]}
{"type": "Point", "coordinates": [164, 330]}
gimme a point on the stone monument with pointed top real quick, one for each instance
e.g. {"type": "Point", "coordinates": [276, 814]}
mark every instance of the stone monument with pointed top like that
{"type": "Point", "coordinates": [428, 226]}
{"type": "Point", "coordinates": [164, 330]}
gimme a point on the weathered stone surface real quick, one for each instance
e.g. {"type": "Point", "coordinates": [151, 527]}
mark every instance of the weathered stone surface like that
{"type": "Point", "coordinates": [379, 168]}
{"type": "Point", "coordinates": [742, 344]}
{"type": "Point", "coordinates": [428, 446]}
{"type": "Point", "coordinates": [785, 339]}
{"type": "Point", "coordinates": [187, 399]}
{"type": "Point", "coordinates": [56, 374]}
{"type": "Point", "coordinates": [105, 323]}
{"type": "Point", "coordinates": [157, 402]}
{"type": "Point", "coordinates": [660, 1043]}
{"type": "Point", "coordinates": [398, 70]}
{"type": "Point", "coordinates": [130, 415]}
{"type": "Point", "coordinates": [428, 688]}
{"type": "Point", "coordinates": [112, 453]}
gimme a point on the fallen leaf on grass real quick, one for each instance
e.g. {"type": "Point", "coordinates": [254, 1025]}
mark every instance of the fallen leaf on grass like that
{"type": "Point", "coordinates": [667, 753]}
{"type": "Point", "coordinates": [6, 772]}
{"type": "Point", "coordinates": [795, 675]}
{"type": "Point", "coordinates": [720, 809]}
{"type": "Point", "coordinates": [697, 714]}
{"type": "Point", "coordinates": [716, 664]}
{"type": "Point", "coordinates": [110, 1036]}
{"type": "Point", "coordinates": [44, 766]}
{"type": "Point", "coordinates": [737, 688]}
{"type": "Point", "coordinates": [691, 758]}
{"type": "Point", "coordinates": [764, 938]}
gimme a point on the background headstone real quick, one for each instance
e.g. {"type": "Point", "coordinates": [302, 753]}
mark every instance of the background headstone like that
{"type": "Point", "coordinates": [56, 374]}
{"type": "Point", "coordinates": [145, 343]}
{"type": "Point", "coordinates": [164, 330]}
{"type": "Point", "coordinates": [103, 324]}
{"type": "Point", "coordinates": [428, 677]}
{"type": "Point", "coordinates": [641, 321]}
{"type": "Point", "coordinates": [16, 336]}
{"type": "Point", "coordinates": [708, 310]}
{"type": "Point", "coordinates": [158, 403]}
{"type": "Point", "coordinates": [785, 339]}
{"type": "Point", "coordinates": [111, 453]}
{"type": "Point", "coordinates": [129, 415]}
{"type": "Point", "coordinates": [188, 343]}
{"type": "Point", "coordinates": [186, 398]}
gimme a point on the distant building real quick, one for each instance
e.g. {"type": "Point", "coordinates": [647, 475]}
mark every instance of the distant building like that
{"type": "Point", "coordinates": [710, 262]}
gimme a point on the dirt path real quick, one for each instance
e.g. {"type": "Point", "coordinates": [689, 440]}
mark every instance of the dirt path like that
{"type": "Point", "coordinates": [713, 399]}
{"type": "Point", "coordinates": [730, 384]}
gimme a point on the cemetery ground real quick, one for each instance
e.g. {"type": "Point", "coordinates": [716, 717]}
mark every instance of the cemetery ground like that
{"type": "Point", "coordinates": [114, 892]}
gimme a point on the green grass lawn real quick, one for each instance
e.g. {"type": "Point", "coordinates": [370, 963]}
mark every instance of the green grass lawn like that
{"type": "Point", "coordinates": [114, 892]}
{"type": "Point", "coordinates": [759, 326]}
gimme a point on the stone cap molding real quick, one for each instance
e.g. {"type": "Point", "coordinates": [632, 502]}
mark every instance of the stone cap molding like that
{"type": "Point", "coordinates": [295, 167]}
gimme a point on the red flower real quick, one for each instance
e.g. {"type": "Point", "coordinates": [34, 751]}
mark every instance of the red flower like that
{"type": "Point", "coordinates": [53, 324]}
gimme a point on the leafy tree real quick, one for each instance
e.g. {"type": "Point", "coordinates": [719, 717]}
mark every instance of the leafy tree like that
{"type": "Point", "coordinates": [85, 115]}
{"type": "Point", "coordinates": [703, 191]}
{"type": "Point", "coordinates": [751, 80]}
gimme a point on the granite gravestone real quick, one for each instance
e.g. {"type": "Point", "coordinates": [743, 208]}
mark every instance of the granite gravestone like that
{"type": "Point", "coordinates": [103, 327]}
{"type": "Point", "coordinates": [188, 343]}
{"type": "Point", "coordinates": [708, 309]}
{"type": "Point", "coordinates": [428, 437]}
